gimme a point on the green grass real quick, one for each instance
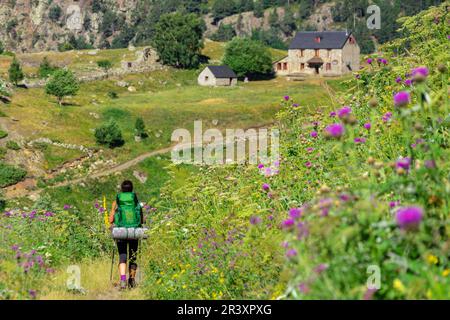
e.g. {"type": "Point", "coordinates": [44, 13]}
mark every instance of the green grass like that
{"type": "Point", "coordinates": [57, 156]}
{"type": "Point", "coordinates": [166, 100]}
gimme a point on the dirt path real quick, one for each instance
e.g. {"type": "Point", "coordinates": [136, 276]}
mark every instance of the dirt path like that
{"type": "Point", "coordinates": [23, 188]}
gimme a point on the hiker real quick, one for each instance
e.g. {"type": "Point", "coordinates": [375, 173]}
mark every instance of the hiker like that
{"type": "Point", "coordinates": [127, 212]}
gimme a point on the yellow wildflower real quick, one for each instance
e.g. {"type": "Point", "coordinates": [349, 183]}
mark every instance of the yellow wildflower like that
{"type": "Point", "coordinates": [184, 286]}
{"type": "Point", "coordinates": [398, 285]}
{"type": "Point", "coordinates": [429, 294]}
{"type": "Point", "coordinates": [221, 280]}
{"type": "Point", "coordinates": [432, 259]}
{"type": "Point", "coordinates": [446, 272]}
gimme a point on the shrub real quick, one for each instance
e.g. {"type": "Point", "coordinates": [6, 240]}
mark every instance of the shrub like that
{"type": "Point", "coordinates": [106, 65]}
{"type": "Point", "coordinates": [2, 48]}
{"type": "Point", "coordinates": [15, 72]}
{"type": "Point", "coordinates": [55, 13]}
{"type": "Point", "coordinates": [109, 134]}
{"type": "Point", "coordinates": [3, 134]}
{"type": "Point", "coordinates": [248, 58]}
{"type": "Point", "coordinates": [46, 69]}
{"type": "Point", "coordinates": [113, 94]}
{"type": "Point", "coordinates": [3, 152]}
{"type": "Point", "coordinates": [225, 32]}
{"type": "Point", "coordinates": [62, 83]}
{"type": "Point", "coordinates": [10, 175]}
{"type": "Point", "coordinates": [12, 145]}
{"type": "Point", "coordinates": [140, 128]}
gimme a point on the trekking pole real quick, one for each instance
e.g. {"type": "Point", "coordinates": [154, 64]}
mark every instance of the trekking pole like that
{"type": "Point", "coordinates": [112, 260]}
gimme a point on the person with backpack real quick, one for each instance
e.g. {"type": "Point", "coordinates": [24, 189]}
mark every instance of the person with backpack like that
{"type": "Point", "coordinates": [126, 212]}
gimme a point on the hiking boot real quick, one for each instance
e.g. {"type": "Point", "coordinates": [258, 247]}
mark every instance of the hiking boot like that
{"type": "Point", "coordinates": [131, 279]}
{"type": "Point", "coordinates": [123, 285]}
{"type": "Point", "coordinates": [131, 283]}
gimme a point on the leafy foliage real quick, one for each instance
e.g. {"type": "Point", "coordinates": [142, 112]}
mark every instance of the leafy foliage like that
{"type": "Point", "coordinates": [46, 69]}
{"type": "Point", "coordinates": [109, 134]}
{"type": "Point", "coordinates": [15, 72]}
{"type": "Point", "coordinates": [225, 32]}
{"type": "Point", "coordinates": [248, 58]}
{"type": "Point", "coordinates": [62, 83]}
{"type": "Point", "coordinates": [10, 175]}
{"type": "Point", "coordinates": [179, 39]}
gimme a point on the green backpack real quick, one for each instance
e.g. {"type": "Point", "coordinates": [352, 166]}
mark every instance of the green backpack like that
{"type": "Point", "coordinates": [128, 214]}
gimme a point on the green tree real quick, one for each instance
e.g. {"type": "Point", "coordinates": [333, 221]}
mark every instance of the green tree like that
{"type": "Point", "coordinates": [223, 8]}
{"type": "Point", "coordinates": [45, 68]}
{"type": "Point", "coordinates": [258, 9]}
{"type": "Point", "coordinates": [109, 134]}
{"type": "Point", "coordinates": [288, 24]}
{"type": "Point", "coordinates": [62, 83]}
{"type": "Point", "coordinates": [274, 19]}
{"type": "Point", "coordinates": [55, 13]}
{"type": "Point", "coordinates": [179, 39]}
{"type": "Point", "coordinates": [15, 72]}
{"type": "Point", "coordinates": [245, 5]}
{"type": "Point", "coordinates": [106, 65]}
{"type": "Point", "coordinates": [140, 128]}
{"type": "Point", "coordinates": [225, 32]}
{"type": "Point", "coordinates": [248, 58]}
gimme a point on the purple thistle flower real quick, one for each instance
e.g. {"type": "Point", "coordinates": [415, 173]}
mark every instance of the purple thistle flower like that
{"type": "Point", "coordinates": [402, 99]}
{"type": "Point", "coordinates": [335, 130]}
{"type": "Point", "coordinates": [260, 166]}
{"type": "Point", "coordinates": [369, 61]}
{"type": "Point", "coordinates": [49, 214]}
{"type": "Point", "coordinates": [265, 187]}
{"type": "Point", "coordinates": [367, 126]}
{"type": "Point", "coordinates": [421, 71]}
{"type": "Point", "coordinates": [320, 268]}
{"type": "Point", "coordinates": [408, 82]}
{"type": "Point", "coordinates": [286, 98]}
{"type": "Point", "coordinates": [360, 140]}
{"type": "Point", "coordinates": [368, 295]}
{"type": "Point", "coordinates": [308, 164]}
{"type": "Point", "coordinates": [404, 163]}
{"type": "Point", "coordinates": [314, 134]}
{"type": "Point", "coordinates": [8, 214]}
{"type": "Point", "coordinates": [309, 150]}
{"type": "Point", "coordinates": [295, 105]}
{"type": "Point", "coordinates": [394, 204]}
{"type": "Point", "coordinates": [291, 253]}
{"type": "Point", "coordinates": [409, 217]}
{"type": "Point", "coordinates": [15, 247]}
{"type": "Point", "coordinates": [344, 112]}
{"type": "Point", "coordinates": [66, 207]}
{"type": "Point", "coordinates": [384, 61]}
{"type": "Point", "coordinates": [255, 220]}
{"type": "Point", "coordinates": [288, 223]}
{"type": "Point", "coordinates": [32, 294]}
{"type": "Point", "coordinates": [333, 114]}
{"type": "Point", "coordinates": [387, 116]}
{"type": "Point", "coordinates": [295, 213]}
{"type": "Point", "coordinates": [398, 79]}
{"type": "Point", "coordinates": [304, 288]}
{"type": "Point", "coordinates": [430, 164]}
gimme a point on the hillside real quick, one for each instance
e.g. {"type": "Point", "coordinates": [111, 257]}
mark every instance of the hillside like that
{"type": "Point", "coordinates": [356, 206]}
{"type": "Point", "coordinates": [41, 25]}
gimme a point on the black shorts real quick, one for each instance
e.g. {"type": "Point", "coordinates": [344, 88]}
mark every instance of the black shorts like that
{"type": "Point", "coordinates": [128, 248]}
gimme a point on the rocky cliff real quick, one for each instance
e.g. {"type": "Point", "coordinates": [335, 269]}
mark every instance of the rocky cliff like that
{"type": "Point", "coordinates": [37, 25]}
{"type": "Point", "coordinates": [41, 25]}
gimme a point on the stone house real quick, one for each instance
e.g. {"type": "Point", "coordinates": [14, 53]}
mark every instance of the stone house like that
{"type": "Point", "coordinates": [217, 76]}
{"type": "Point", "coordinates": [326, 53]}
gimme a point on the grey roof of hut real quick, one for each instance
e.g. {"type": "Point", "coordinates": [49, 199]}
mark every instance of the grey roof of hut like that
{"type": "Point", "coordinates": [222, 72]}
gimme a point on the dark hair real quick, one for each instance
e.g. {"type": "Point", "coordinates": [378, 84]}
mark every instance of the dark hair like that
{"type": "Point", "coordinates": [127, 186]}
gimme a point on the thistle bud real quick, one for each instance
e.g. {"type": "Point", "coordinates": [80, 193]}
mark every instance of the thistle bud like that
{"type": "Point", "coordinates": [442, 68]}
{"type": "Point", "coordinates": [373, 102]}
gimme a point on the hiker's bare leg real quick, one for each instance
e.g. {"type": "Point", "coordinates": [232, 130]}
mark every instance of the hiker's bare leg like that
{"type": "Point", "coordinates": [123, 269]}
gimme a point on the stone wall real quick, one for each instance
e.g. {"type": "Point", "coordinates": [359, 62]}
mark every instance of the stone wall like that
{"type": "Point", "coordinates": [334, 61]}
